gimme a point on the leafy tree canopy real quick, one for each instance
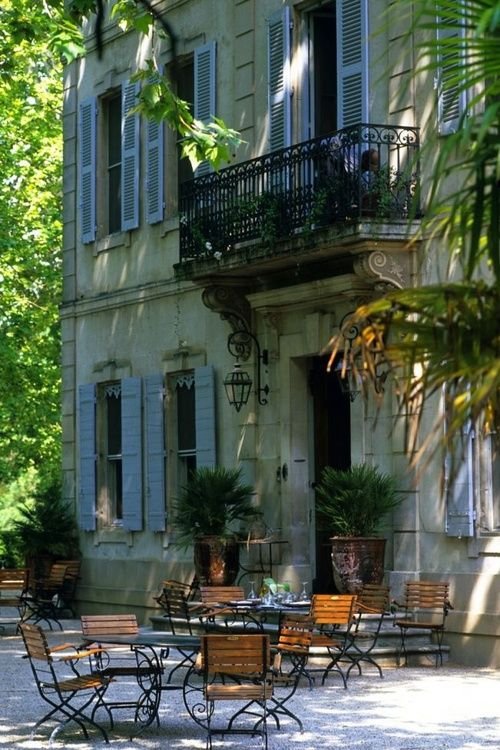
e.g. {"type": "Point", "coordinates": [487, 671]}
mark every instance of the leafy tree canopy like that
{"type": "Point", "coordinates": [30, 241]}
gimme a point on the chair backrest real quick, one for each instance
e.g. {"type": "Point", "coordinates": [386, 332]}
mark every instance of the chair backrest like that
{"type": "Point", "coordinates": [55, 577]}
{"type": "Point", "coordinates": [295, 633]}
{"type": "Point", "coordinates": [427, 599]}
{"type": "Point", "coordinates": [122, 624]}
{"type": "Point", "coordinates": [14, 579]}
{"type": "Point", "coordinates": [218, 594]}
{"type": "Point", "coordinates": [35, 642]}
{"type": "Point", "coordinates": [174, 597]}
{"type": "Point", "coordinates": [243, 654]}
{"type": "Point", "coordinates": [373, 598]}
{"type": "Point", "coordinates": [72, 568]}
{"type": "Point", "coordinates": [333, 609]}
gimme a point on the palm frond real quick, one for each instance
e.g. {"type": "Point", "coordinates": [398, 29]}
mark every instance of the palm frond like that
{"type": "Point", "coordinates": [429, 338]}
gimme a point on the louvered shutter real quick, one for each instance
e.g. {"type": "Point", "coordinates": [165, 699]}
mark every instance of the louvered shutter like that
{"type": "Point", "coordinates": [279, 88]}
{"type": "Point", "coordinates": [352, 65]}
{"type": "Point", "coordinates": [155, 452]}
{"type": "Point", "coordinates": [155, 138]}
{"type": "Point", "coordinates": [87, 457]}
{"type": "Point", "coordinates": [205, 416]}
{"type": "Point", "coordinates": [131, 454]}
{"type": "Point", "coordinates": [451, 101]}
{"type": "Point", "coordinates": [130, 157]}
{"type": "Point", "coordinates": [88, 152]}
{"type": "Point", "coordinates": [459, 475]}
{"type": "Point", "coordinates": [204, 90]}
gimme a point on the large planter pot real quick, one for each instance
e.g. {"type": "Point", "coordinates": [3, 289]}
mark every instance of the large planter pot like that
{"type": "Point", "coordinates": [216, 560]}
{"type": "Point", "coordinates": [356, 561]}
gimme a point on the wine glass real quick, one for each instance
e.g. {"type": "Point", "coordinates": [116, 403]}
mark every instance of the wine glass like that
{"type": "Point", "coordinates": [303, 596]}
{"type": "Point", "coordinates": [252, 594]}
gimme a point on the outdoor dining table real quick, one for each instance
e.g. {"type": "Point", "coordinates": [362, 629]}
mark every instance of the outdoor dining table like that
{"type": "Point", "coordinates": [151, 647]}
{"type": "Point", "coordinates": [260, 615]}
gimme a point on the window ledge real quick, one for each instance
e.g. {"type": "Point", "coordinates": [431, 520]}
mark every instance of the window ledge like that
{"type": "Point", "coordinates": [484, 545]}
{"type": "Point", "coordinates": [114, 535]}
{"type": "Point", "coordinates": [119, 239]}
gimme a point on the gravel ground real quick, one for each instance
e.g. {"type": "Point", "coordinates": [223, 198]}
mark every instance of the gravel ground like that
{"type": "Point", "coordinates": [412, 708]}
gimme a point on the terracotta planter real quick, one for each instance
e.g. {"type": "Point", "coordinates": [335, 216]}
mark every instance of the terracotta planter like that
{"type": "Point", "coordinates": [216, 560]}
{"type": "Point", "coordinates": [355, 561]}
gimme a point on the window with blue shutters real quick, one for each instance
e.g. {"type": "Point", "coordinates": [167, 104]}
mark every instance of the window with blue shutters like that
{"type": "Point", "coordinates": [194, 399]}
{"type": "Point", "coordinates": [122, 446]}
{"type": "Point", "coordinates": [109, 196]}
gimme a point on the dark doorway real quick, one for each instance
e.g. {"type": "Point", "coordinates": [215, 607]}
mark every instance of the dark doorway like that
{"type": "Point", "coordinates": [332, 447]}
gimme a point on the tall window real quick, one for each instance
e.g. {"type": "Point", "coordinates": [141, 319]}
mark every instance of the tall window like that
{"type": "Point", "coordinates": [185, 90]}
{"type": "Point", "coordinates": [112, 482]}
{"type": "Point", "coordinates": [114, 161]}
{"type": "Point", "coordinates": [120, 422]}
{"type": "Point", "coordinates": [186, 427]}
{"type": "Point", "coordinates": [109, 164]}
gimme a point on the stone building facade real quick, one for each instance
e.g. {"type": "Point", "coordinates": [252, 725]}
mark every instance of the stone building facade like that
{"type": "Point", "coordinates": [159, 271]}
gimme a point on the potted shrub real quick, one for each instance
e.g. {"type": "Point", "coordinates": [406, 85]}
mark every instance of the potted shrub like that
{"type": "Point", "coordinates": [208, 512]}
{"type": "Point", "coordinates": [351, 504]}
{"type": "Point", "coordinates": [44, 530]}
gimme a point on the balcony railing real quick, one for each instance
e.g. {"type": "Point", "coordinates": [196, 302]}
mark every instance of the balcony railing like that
{"type": "Point", "coordinates": [361, 172]}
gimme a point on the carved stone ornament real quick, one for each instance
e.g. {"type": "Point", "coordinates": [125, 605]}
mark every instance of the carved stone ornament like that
{"type": "Point", "coordinates": [230, 302]}
{"type": "Point", "coordinates": [383, 267]}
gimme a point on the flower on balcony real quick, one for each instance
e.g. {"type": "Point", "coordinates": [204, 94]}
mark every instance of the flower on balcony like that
{"type": "Point", "coordinates": [208, 246]}
{"type": "Point", "coordinates": [183, 220]}
{"type": "Point", "coordinates": [217, 255]}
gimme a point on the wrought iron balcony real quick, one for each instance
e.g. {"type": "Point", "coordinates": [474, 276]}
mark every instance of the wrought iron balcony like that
{"type": "Point", "coordinates": [357, 173]}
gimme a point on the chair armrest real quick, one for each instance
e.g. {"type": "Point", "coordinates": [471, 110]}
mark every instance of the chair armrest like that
{"type": "Point", "coordinates": [76, 655]}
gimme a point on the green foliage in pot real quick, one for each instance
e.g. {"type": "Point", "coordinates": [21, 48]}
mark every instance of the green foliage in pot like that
{"type": "Point", "coordinates": [45, 527]}
{"type": "Point", "coordinates": [353, 502]}
{"type": "Point", "coordinates": [211, 503]}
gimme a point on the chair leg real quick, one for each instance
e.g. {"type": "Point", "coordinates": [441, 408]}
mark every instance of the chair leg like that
{"type": "Point", "coordinates": [72, 713]}
{"type": "Point", "coordinates": [402, 648]}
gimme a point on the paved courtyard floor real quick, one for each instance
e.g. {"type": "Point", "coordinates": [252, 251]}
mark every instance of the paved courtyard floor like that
{"type": "Point", "coordinates": [415, 708]}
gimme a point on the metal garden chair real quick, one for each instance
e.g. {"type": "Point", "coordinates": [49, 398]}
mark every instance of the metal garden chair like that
{"type": "Point", "coordinates": [68, 693]}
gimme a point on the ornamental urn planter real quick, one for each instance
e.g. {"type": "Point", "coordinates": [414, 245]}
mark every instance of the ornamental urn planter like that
{"type": "Point", "coordinates": [356, 561]}
{"type": "Point", "coordinates": [216, 560]}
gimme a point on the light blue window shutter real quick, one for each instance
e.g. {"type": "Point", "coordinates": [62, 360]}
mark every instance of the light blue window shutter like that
{"type": "Point", "coordinates": [88, 154]}
{"type": "Point", "coordinates": [204, 89]}
{"type": "Point", "coordinates": [204, 395]}
{"type": "Point", "coordinates": [352, 64]}
{"type": "Point", "coordinates": [155, 452]}
{"type": "Point", "coordinates": [459, 475]}
{"type": "Point", "coordinates": [132, 454]}
{"type": "Point", "coordinates": [87, 457]}
{"type": "Point", "coordinates": [130, 157]}
{"type": "Point", "coordinates": [451, 101]}
{"type": "Point", "coordinates": [279, 86]}
{"type": "Point", "coordinates": [155, 138]}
